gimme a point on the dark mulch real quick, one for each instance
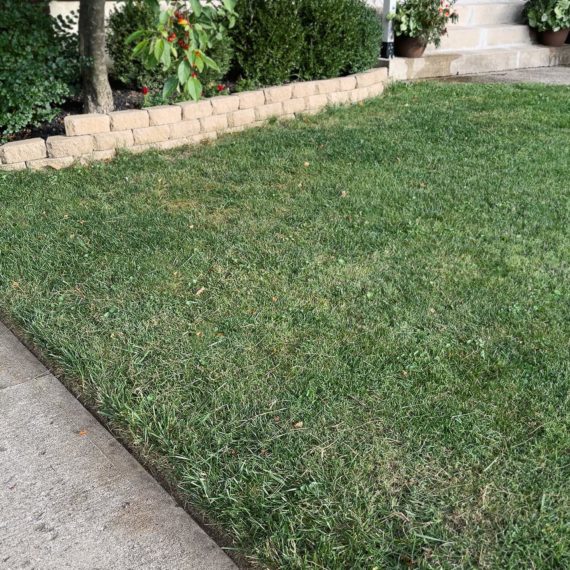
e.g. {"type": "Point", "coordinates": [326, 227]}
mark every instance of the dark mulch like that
{"type": "Point", "coordinates": [123, 98]}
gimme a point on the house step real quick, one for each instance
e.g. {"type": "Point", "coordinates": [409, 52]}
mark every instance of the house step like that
{"type": "Point", "coordinates": [473, 13]}
{"type": "Point", "coordinates": [480, 37]}
{"type": "Point", "coordinates": [465, 62]}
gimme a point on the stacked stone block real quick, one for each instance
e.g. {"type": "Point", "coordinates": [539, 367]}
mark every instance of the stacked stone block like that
{"type": "Point", "coordinates": [99, 136]}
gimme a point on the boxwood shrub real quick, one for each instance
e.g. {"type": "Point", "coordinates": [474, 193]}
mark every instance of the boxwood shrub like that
{"type": "Point", "coordinates": [340, 37]}
{"type": "Point", "coordinates": [268, 39]}
{"type": "Point", "coordinates": [280, 40]}
{"type": "Point", "coordinates": [39, 65]}
{"type": "Point", "coordinates": [130, 16]}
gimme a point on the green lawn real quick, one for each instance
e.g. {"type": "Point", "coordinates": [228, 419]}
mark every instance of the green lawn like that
{"type": "Point", "coordinates": [345, 339]}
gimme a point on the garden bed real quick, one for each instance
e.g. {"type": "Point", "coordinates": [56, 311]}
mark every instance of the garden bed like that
{"type": "Point", "coordinates": [344, 339]}
{"type": "Point", "coordinates": [98, 136]}
{"type": "Point", "coordinates": [124, 99]}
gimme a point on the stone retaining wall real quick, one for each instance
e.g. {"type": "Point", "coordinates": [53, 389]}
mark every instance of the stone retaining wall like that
{"type": "Point", "coordinates": [98, 136]}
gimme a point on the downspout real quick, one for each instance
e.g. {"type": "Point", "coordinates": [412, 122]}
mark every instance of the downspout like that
{"type": "Point", "coordinates": [387, 51]}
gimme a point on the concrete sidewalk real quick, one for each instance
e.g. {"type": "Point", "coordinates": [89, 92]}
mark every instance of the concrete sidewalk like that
{"type": "Point", "coordinates": [545, 75]}
{"type": "Point", "coordinates": [71, 497]}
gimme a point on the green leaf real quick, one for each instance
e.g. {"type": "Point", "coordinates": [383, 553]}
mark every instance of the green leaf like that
{"type": "Point", "coordinates": [158, 48]}
{"type": "Point", "coordinates": [229, 5]}
{"type": "Point", "coordinates": [194, 88]}
{"type": "Point", "coordinates": [196, 7]}
{"type": "Point", "coordinates": [134, 36]}
{"type": "Point", "coordinates": [165, 58]}
{"type": "Point", "coordinates": [140, 47]}
{"type": "Point", "coordinates": [184, 72]}
{"type": "Point", "coordinates": [210, 62]}
{"type": "Point", "coordinates": [169, 87]}
{"type": "Point", "coordinates": [163, 18]}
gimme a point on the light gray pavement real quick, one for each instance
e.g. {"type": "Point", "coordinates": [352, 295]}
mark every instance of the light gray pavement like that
{"type": "Point", "coordinates": [546, 75]}
{"type": "Point", "coordinates": [71, 497]}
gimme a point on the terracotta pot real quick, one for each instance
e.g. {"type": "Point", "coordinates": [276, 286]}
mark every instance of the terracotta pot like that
{"type": "Point", "coordinates": [409, 47]}
{"type": "Point", "coordinates": [553, 39]}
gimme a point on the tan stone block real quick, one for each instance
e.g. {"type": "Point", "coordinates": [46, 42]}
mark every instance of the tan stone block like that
{"type": "Point", "coordinates": [172, 143]}
{"type": "Point", "coordinates": [203, 137]}
{"type": "Point", "coordinates": [104, 154]}
{"type": "Point", "coordinates": [326, 86]}
{"type": "Point", "coordinates": [12, 166]}
{"type": "Point", "coordinates": [315, 102]}
{"type": "Point", "coordinates": [250, 99]}
{"type": "Point", "coordinates": [304, 89]}
{"type": "Point", "coordinates": [367, 78]}
{"type": "Point", "coordinates": [278, 94]}
{"type": "Point", "coordinates": [375, 90]}
{"type": "Point", "coordinates": [164, 115]}
{"type": "Point", "coordinates": [137, 149]}
{"type": "Point", "coordinates": [215, 123]}
{"type": "Point", "coordinates": [224, 104]}
{"type": "Point", "coordinates": [196, 109]}
{"type": "Point", "coordinates": [150, 135]}
{"type": "Point", "coordinates": [112, 140]}
{"type": "Point", "coordinates": [77, 125]}
{"type": "Point", "coordinates": [184, 129]}
{"type": "Point", "coordinates": [339, 98]}
{"type": "Point", "coordinates": [20, 151]}
{"type": "Point", "coordinates": [241, 118]}
{"type": "Point", "coordinates": [347, 83]}
{"type": "Point", "coordinates": [359, 94]}
{"type": "Point", "coordinates": [54, 163]}
{"type": "Point", "coordinates": [60, 146]}
{"type": "Point", "coordinates": [294, 106]}
{"type": "Point", "coordinates": [239, 129]}
{"type": "Point", "coordinates": [268, 111]}
{"type": "Point", "coordinates": [131, 119]}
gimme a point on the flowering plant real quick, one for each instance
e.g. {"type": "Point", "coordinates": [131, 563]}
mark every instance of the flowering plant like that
{"type": "Point", "coordinates": [184, 32]}
{"type": "Point", "coordinates": [547, 15]}
{"type": "Point", "coordinates": [423, 19]}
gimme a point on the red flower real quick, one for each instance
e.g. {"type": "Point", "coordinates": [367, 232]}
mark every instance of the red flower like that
{"type": "Point", "coordinates": [221, 87]}
{"type": "Point", "coordinates": [194, 74]}
{"type": "Point", "coordinates": [144, 90]}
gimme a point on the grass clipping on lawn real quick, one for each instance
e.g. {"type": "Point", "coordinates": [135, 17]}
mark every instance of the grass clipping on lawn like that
{"type": "Point", "coordinates": [344, 338]}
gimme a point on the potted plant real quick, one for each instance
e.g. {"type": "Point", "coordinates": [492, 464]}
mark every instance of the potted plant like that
{"type": "Point", "coordinates": [550, 18]}
{"type": "Point", "coordinates": [420, 22]}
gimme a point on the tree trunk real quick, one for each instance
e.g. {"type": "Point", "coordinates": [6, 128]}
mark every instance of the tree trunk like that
{"type": "Point", "coordinates": [97, 95]}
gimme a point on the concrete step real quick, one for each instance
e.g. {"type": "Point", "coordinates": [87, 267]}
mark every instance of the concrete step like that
{"type": "Point", "coordinates": [481, 37]}
{"type": "Point", "coordinates": [473, 13]}
{"type": "Point", "coordinates": [465, 62]}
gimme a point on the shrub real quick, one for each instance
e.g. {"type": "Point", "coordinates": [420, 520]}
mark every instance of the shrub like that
{"type": "Point", "coordinates": [340, 37]}
{"type": "Point", "coordinates": [142, 16]}
{"type": "Point", "coordinates": [268, 39]}
{"type": "Point", "coordinates": [280, 40]}
{"type": "Point", "coordinates": [39, 65]}
{"type": "Point", "coordinates": [133, 15]}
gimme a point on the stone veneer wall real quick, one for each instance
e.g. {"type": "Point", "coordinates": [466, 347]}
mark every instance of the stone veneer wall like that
{"type": "Point", "coordinates": [98, 136]}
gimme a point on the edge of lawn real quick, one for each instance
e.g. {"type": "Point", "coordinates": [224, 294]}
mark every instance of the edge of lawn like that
{"type": "Point", "coordinates": [151, 464]}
